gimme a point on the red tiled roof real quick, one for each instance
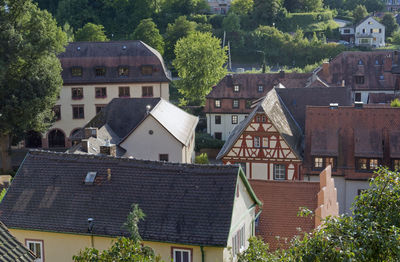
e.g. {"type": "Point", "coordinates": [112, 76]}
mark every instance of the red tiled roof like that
{"type": "Point", "coordinates": [381, 98]}
{"type": "Point", "coordinates": [281, 202]}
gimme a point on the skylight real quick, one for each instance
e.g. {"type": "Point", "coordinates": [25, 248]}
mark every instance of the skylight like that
{"type": "Point", "coordinates": [90, 177]}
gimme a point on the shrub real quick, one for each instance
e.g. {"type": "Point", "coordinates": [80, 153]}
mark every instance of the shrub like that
{"type": "Point", "coordinates": [202, 159]}
{"type": "Point", "coordinates": [395, 103]}
{"type": "Point", "coordinates": [204, 140]}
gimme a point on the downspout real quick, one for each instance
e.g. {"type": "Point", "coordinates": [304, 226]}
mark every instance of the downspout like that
{"type": "Point", "coordinates": [202, 253]}
{"type": "Point", "coordinates": [160, 91]}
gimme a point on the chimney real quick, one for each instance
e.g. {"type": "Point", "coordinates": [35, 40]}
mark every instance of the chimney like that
{"type": "Point", "coordinates": [281, 74]}
{"type": "Point", "coordinates": [358, 104]}
{"type": "Point", "coordinates": [108, 174]}
{"type": "Point", "coordinates": [90, 132]}
{"type": "Point", "coordinates": [108, 149]}
{"type": "Point", "coordinates": [343, 83]}
{"type": "Point", "coordinates": [333, 105]}
{"type": "Point", "coordinates": [325, 69]}
{"type": "Point", "coordinates": [85, 145]}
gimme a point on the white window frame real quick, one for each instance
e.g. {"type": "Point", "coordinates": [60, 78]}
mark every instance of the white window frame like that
{"type": "Point", "coordinates": [183, 251]}
{"type": "Point", "coordinates": [239, 241]}
{"type": "Point", "coordinates": [265, 142]}
{"type": "Point", "coordinates": [235, 119]}
{"type": "Point", "coordinates": [278, 175]}
{"type": "Point", "coordinates": [40, 242]}
{"type": "Point", "coordinates": [257, 141]}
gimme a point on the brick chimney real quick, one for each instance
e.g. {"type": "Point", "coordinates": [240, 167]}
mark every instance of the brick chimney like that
{"type": "Point", "coordinates": [325, 70]}
{"type": "Point", "coordinates": [90, 132]}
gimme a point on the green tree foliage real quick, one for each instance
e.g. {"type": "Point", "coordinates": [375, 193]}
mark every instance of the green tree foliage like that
{"type": "Point", "coordinates": [77, 13]}
{"type": "Point", "coordinates": [257, 251]}
{"type": "Point", "coordinates": [148, 32]}
{"type": "Point", "coordinates": [179, 29]}
{"type": "Point", "coordinates": [371, 5]}
{"type": "Point", "coordinates": [132, 222]}
{"type": "Point", "coordinates": [200, 159]}
{"type": "Point", "coordinates": [242, 7]}
{"type": "Point", "coordinates": [390, 24]}
{"type": "Point", "coordinates": [396, 37]}
{"type": "Point", "coordinates": [395, 103]}
{"type": "Point", "coordinates": [199, 62]}
{"type": "Point", "coordinates": [267, 12]}
{"type": "Point", "coordinates": [303, 5]}
{"type": "Point", "coordinates": [49, 5]}
{"type": "Point", "coordinates": [30, 72]}
{"type": "Point", "coordinates": [359, 13]}
{"type": "Point", "coordinates": [91, 32]}
{"type": "Point", "coordinates": [69, 31]}
{"type": "Point", "coordinates": [371, 234]}
{"type": "Point", "coordinates": [231, 23]}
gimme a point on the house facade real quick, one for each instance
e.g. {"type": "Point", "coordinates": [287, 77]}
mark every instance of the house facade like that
{"type": "Point", "coordinates": [153, 130]}
{"type": "Point", "coordinates": [96, 72]}
{"type": "Point", "coordinates": [219, 6]}
{"type": "Point", "coordinates": [200, 213]}
{"type": "Point", "coordinates": [355, 141]}
{"type": "Point", "coordinates": [369, 32]}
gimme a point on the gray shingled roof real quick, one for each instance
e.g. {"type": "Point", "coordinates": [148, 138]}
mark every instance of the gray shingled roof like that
{"type": "Point", "coordinates": [11, 249]}
{"type": "Point", "coordinates": [280, 117]}
{"type": "Point", "coordinates": [186, 204]}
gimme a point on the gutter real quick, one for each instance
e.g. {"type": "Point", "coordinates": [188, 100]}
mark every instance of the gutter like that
{"type": "Point", "coordinates": [202, 253]}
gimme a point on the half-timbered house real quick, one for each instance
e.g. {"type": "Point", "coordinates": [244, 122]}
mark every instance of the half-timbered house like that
{"type": "Point", "coordinates": [267, 143]}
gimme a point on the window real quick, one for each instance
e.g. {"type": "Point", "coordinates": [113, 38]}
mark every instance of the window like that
{"type": "Point", "coordinates": [359, 80]}
{"type": "Point", "coordinates": [364, 40]}
{"type": "Point", "coordinates": [256, 141]}
{"type": "Point", "coordinates": [147, 91]}
{"type": "Point", "coordinates": [375, 30]}
{"type": "Point", "coordinates": [367, 164]}
{"type": "Point", "coordinates": [238, 241]}
{"type": "Point", "coordinates": [318, 162]}
{"type": "Point", "coordinates": [234, 119]}
{"type": "Point", "coordinates": [78, 112]}
{"type": "Point", "coordinates": [181, 254]}
{"type": "Point", "coordinates": [279, 172]}
{"type": "Point", "coordinates": [236, 88]}
{"type": "Point", "coordinates": [217, 120]}
{"type": "Point", "coordinates": [380, 30]}
{"type": "Point", "coordinates": [147, 70]}
{"type": "Point", "coordinates": [363, 30]}
{"type": "Point", "coordinates": [76, 71]}
{"type": "Point", "coordinates": [373, 164]}
{"type": "Point", "coordinates": [101, 92]}
{"type": "Point", "coordinates": [396, 164]}
{"type": "Point", "coordinates": [322, 162]}
{"type": "Point", "coordinates": [263, 119]}
{"type": "Point", "coordinates": [381, 77]}
{"type": "Point", "coordinates": [265, 142]}
{"type": "Point", "coordinates": [163, 157]}
{"type": "Point", "coordinates": [218, 135]}
{"type": "Point", "coordinates": [36, 246]}
{"type": "Point", "coordinates": [100, 71]}
{"type": "Point", "coordinates": [330, 161]}
{"type": "Point", "coordinates": [357, 97]}
{"type": "Point", "coordinates": [260, 89]}
{"type": "Point", "coordinates": [99, 108]}
{"type": "Point", "coordinates": [371, 30]}
{"type": "Point", "coordinates": [57, 112]}
{"type": "Point", "coordinates": [346, 31]}
{"type": "Point", "coordinates": [248, 103]}
{"type": "Point", "coordinates": [235, 103]}
{"type": "Point", "coordinates": [362, 163]}
{"type": "Point", "coordinates": [123, 71]}
{"type": "Point", "coordinates": [258, 118]}
{"type": "Point", "coordinates": [77, 93]}
{"type": "Point", "coordinates": [217, 103]}
{"type": "Point", "coordinates": [123, 91]}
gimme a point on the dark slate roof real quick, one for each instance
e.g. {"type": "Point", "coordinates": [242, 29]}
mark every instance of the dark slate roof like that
{"type": "Point", "coordinates": [186, 204]}
{"type": "Point", "coordinates": [112, 55]}
{"type": "Point", "coordinates": [281, 118]}
{"type": "Point", "coordinates": [296, 99]}
{"type": "Point", "coordinates": [11, 249]}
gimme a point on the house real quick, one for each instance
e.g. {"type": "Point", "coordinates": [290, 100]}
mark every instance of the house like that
{"type": "Point", "coordinates": [219, 6]}
{"type": "Point", "coordinates": [93, 74]}
{"type": "Point", "coordinates": [368, 32]}
{"type": "Point", "coordinates": [282, 200]}
{"type": "Point", "coordinates": [364, 72]}
{"type": "Point", "coordinates": [143, 128]}
{"type": "Point", "coordinates": [269, 142]}
{"type": "Point", "coordinates": [347, 33]}
{"type": "Point", "coordinates": [201, 212]}
{"type": "Point", "coordinates": [392, 5]}
{"type": "Point", "coordinates": [229, 102]}
{"type": "Point", "coordinates": [12, 250]}
{"type": "Point", "coordinates": [355, 140]}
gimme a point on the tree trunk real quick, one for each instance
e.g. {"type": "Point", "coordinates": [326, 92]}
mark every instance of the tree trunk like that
{"type": "Point", "coordinates": [5, 153]}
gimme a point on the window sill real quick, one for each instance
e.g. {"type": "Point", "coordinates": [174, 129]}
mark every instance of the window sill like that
{"type": "Point", "coordinates": [77, 98]}
{"type": "Point", "coordinates": [147, 96]}
{"type": "Point", "coordinates": [101, 97]}
{"type": "Point", "coordinates": [77, 118]}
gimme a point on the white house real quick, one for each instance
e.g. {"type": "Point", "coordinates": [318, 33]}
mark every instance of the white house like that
{"type": "Point", "coordinates": [370, 32]}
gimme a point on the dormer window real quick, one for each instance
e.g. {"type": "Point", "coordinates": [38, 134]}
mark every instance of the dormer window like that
{"type": "Point", "coordinates": [147, 70]}
{"type": "Point", "coordinates": [376, 62]}
{"type": "Point", "coordinates": [260, 89]}
{"type": "Point", "coordinates": [100, 71]}
{"type": "Point", "coordinates": [359, 80]}
{"type": "Point", "coordinates": [236, 88]}
{"type": "Point", "coordinates": [123, 71]}
{"type": "Point", "coordinates": [76, 71]}
{"type": "Point", "coordinates": [217, 103]}
{"type": "Point", "coordinates": [360, 62]}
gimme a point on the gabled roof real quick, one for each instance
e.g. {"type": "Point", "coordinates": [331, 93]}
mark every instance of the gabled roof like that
{"type": "Point", "coordinates": [11, 249]}
{"type": "Point", "coordinates": [185, 204]}
{"type": "Point", "coordinates": [365, 19]}
{"type": "Point", "coordinates": [112, 55]}
{"type": "Point", "coordinates": [280, 117]}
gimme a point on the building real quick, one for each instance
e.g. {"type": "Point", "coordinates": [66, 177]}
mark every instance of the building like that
{"type": "Point", "coordinates": [96, 72]}
{"type": "Point", "coordinates": [392, 5]}
{"type": "Point", "coordinates": [229, 102]}
{"type": "Point", "coordinates": [282, 200]}
{"type": "Point", "coordinates": [198, 210]}
{"type": "Point", "coordinates": [269, 142]}
{"type": "Point", "coordinates": [143, 128]}
{"type": "Point", "coordinates": [355, 141]}
{"type": "Point", "coordinates": [219, 6]}
{"type": "Point", "coordinates": [363, 72]}
{"type": "Point", "coordinates": [369, 32]}
{"type": "Point", "coordinates": [13, 250]}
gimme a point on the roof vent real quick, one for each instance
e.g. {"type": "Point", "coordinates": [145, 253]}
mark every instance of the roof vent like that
{"type": "Point", "coordinates": [78, 48]}
{"type": "Point", "coordinates": [333, 105]}
{"type": "Point", "coordinates": [148, 107]}
{"type": "Point", "coordinates": [124, 47]}
{"type": "Point", "coordinates": [358, 104]}
{"type": "Point", "coordinates": [90, 177]}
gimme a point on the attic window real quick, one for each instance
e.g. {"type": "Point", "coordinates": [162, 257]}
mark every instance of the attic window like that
{"type": "Point", "coordinates": [100, 71]}
{"type": "Point", "coordinates": [76, 71]}
{"type": "Point", "coordinates": [90, 177]}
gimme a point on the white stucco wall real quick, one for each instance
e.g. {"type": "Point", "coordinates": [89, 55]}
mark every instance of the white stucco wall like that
{"type": "Point", "coordinates": [143, 145]}
{"type": "Point", "coordinates": [378, 39]}
{"type": "Point", "coordinates": [226, 125]}
{"type": "Point", "coordinates": [89, 100]}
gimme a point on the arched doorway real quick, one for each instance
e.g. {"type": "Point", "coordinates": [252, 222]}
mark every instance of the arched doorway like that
{"type": "Point", "coordinates": [33, 139]}
{"type": "Point", "coordinates": [56, 138]}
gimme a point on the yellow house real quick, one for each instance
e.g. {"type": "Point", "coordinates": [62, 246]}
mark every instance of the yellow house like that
{"type": "Point", "coordinates": [63, 203]}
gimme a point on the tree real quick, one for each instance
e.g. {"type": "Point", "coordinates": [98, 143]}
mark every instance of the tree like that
{"type": "Point", "coordinates": [91, 32]}
{"type": "Point", "coordinates": [148, 32]}
{"type": "Point", "coordinates": [266, 11]}
{"type": "Point", "coordinates": [395, 103]}
{"type": "Point", "coordinates": [241, 7]}
{"type": "Point", "coordinates": [30, 72]}
{"type": "Point", "coordinates": [69, 31]}
{"type": "Point", "coordinates": [199, 62]}
{"type": "Point", "coordinates": [359, 13]}
{"type": "Point", "coordinates": [78, 12]}
{"type": "Point", "coordinates": [371, 234]}
{"type": "Point", "coordinates": [396, 37]}
{"type": "Point", "coordinates": [390, 24]}
{"type": "Point", "coordinates": [231, 23]}
{"type": "Point", "coordinates": [202, 159]}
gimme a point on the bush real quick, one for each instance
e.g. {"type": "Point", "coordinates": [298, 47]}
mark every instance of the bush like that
{"type": "Point", "coordinates": [305, 21]}
{"type": "Point", "coordinates": [395, 103]}
{"type": "Point", "coordinates": [204, 140]}
{"type": "Point", "coordinates": [202, 159]}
